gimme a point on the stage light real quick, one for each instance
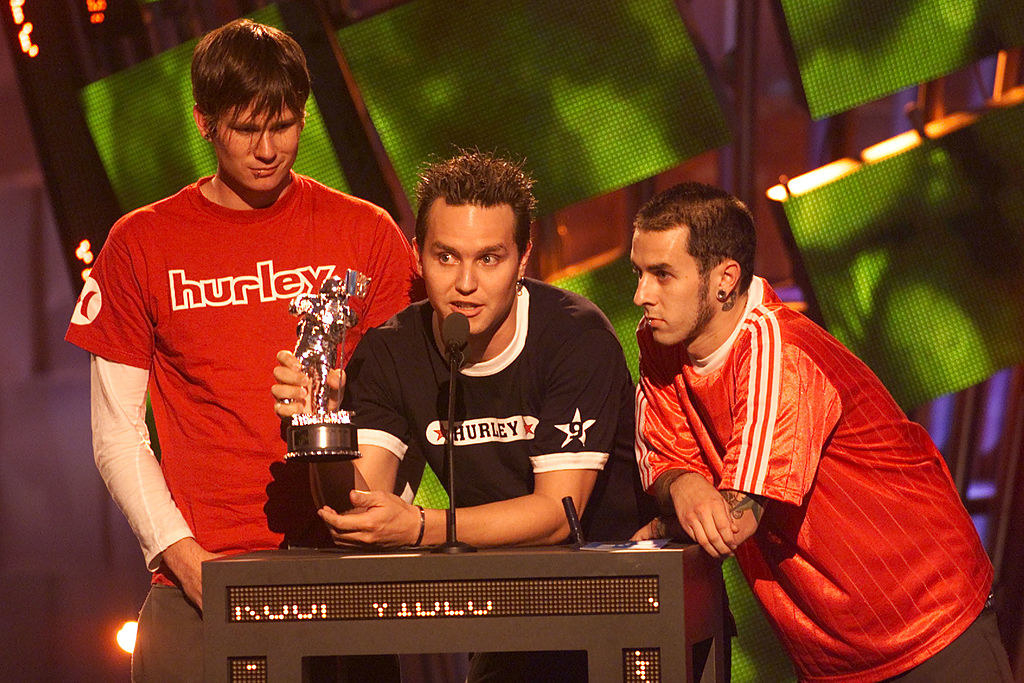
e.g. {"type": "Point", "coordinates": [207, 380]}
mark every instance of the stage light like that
{"type": "Point", "coordinates": [891, 147]}
{"type": "Point", "coordinates": [126, 636]}
{"type": "Point", "coordinates": [777, 193]}
{"type": "Point", "coordinates": [96, 9]}
{"type": "Point", "coordinates": [822, 176]}
{"type": "Point", "coordinates": [84, 252]}
{"type": "Point", "coordinates": [25, 32]}
{"type": "Point", "coordinates": [25, 37]}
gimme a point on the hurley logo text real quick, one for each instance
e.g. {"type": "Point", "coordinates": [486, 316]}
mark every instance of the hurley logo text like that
{"type": "Point", "coordinates": [484, 429]}
{"type": "Point", "coordinates": [266, 285]}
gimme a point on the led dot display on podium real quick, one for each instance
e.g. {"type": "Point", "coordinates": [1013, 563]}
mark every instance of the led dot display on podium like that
{"type": "Point", "coordinates": [248, 669]}
{"type": "Point", "coordinates": [445, 599]}
{"type": "Point", "coordinates": [641, 665]}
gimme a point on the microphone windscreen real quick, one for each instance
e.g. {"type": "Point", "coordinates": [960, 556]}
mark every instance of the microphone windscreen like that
{"type": "Point", "coordinates": [455, 330]}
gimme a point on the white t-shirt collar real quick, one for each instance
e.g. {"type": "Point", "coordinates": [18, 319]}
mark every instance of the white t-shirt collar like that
{"type": "Point", "coordinates": [715, 359]}
{"type": "Point", "coordinates": [514, 348]}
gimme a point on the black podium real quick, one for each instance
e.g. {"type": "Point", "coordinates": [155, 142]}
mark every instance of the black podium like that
{"type": "Point", "coordinates": [638, 614]}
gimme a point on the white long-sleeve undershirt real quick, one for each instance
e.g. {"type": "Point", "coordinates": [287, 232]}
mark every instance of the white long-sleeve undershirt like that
{"type": "Point", "coordinates": [120, 444]}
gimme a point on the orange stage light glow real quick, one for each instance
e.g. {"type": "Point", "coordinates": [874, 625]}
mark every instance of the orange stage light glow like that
{"type": "Point", "coordinates": [126, 636]}
{"type": "Point", "coordinates": [883, 150]}
{"type": "Point", "coordinates": [25, 34]}
{"type": "Point", "coordinates": [84, 252]}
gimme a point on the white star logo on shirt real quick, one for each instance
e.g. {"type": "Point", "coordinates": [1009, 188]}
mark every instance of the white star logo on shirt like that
{"type": "Point", "coordinates": [576, 429]}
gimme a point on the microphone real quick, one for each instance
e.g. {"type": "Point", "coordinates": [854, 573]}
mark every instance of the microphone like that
{"type": "Point", "coordinates": [575, 530]}
{"type": "Point", "coordinates": [455, 335]}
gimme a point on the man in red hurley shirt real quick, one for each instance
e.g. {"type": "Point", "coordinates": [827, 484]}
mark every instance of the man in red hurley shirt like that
{"type": "Point", "coordinates": [189, 299]}
{"type": "Point", "coordinates": [761, 435]}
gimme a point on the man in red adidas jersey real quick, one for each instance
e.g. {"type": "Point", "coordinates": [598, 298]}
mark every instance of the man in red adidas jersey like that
{"type": "Point", "coordinates": [189, 297]}
{"type": "Point", "coordinates": [761, 435]}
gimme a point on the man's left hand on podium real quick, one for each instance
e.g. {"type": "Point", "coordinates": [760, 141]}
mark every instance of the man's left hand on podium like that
{"type": "Point", "coordinates": [377, 518]}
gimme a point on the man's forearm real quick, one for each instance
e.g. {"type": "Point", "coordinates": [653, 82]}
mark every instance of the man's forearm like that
{"type": "Point", "coordinates": [534, 519]}
{"type": "Point", "coordinates": [527, 520]}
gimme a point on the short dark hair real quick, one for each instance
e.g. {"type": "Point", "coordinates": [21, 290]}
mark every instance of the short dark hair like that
{"type": "Point", "coordinates": [243, 64]}
{"type": "Point", "coordinates": [480, 178]}
{"type": "Point", "coordinates": [721, 226]}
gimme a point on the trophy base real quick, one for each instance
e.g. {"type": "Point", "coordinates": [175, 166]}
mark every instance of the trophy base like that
{"type": "Point", "coordinates": [322, 438]}
{"type": "Point", "coordinates": [331, 483]}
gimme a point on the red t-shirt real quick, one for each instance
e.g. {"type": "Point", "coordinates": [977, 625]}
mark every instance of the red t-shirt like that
{"type": "Point", "coordinates": [865, 560]}
{"type": "Point", "coordinates": [198, 295]}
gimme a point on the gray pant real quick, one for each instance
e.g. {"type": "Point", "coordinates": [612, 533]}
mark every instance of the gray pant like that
{"type": "Point", "coordinates": [169, 646]}
{"type": "Point", "coordinates": [977, 654]}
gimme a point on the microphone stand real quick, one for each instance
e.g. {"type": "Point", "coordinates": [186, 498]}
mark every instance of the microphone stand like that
{"type": "Point", "coordinates": [452, 545]}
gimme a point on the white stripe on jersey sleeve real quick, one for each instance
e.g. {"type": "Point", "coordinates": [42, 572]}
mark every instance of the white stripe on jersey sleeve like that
{"type": "Point", "coordinates": [762, 402]}
{"type": "Point", "coordinates": [583, 460]}
{"type": "Point", "coordinates": [385, 440]}
{"type": "Point", "coordinates": [643, 455]}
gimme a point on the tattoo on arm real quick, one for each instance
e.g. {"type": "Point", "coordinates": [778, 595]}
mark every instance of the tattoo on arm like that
{"type": "Point", "coordinates": [739, 503]}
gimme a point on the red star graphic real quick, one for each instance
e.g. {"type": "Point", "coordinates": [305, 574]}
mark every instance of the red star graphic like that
{"type": "Point", "coordinates": [440, 434]}
{"type": "Point", "coordinates": [529, 428]}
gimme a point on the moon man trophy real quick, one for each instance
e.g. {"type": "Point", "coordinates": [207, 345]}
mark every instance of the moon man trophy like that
{"type": "Point", "coordinates": [324, 435]}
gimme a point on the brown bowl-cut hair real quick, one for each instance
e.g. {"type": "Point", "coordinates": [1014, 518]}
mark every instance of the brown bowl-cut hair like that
{"type": "Point", "coordinates": [248, 66]}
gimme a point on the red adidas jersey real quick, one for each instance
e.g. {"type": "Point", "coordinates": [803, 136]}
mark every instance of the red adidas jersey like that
{"type": "Point", "coordinates": [198, 295]}
{"type": "Point", "coordinates": [865, 560]}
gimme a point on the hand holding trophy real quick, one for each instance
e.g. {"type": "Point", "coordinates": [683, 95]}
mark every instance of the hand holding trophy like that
{"type": "Point", "coordinates": [324, 435]}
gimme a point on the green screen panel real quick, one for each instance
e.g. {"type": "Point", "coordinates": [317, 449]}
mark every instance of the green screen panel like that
{"type": "Point", "coordinates": [141, 122]}
{"type": "Point", "coordinates": [430, 491]}
{"type": "Point", "coordinates": [757, 654]}
{"type": "Point", "coordinates": [596, 95]}
{"type": "Point", "coordinates": [853, 51]}
{"type": "Point", "coordinates": [917, 261]}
